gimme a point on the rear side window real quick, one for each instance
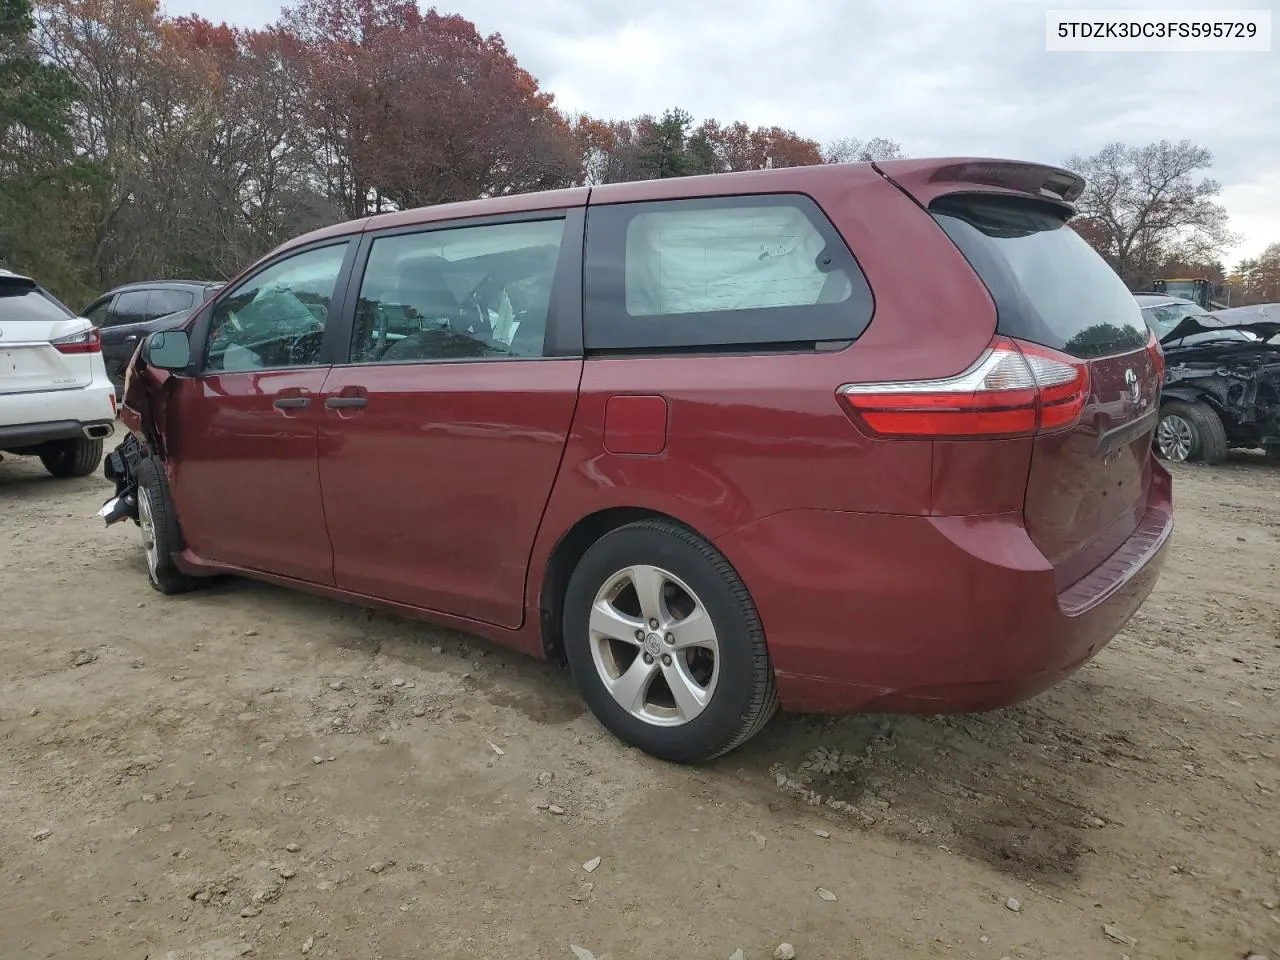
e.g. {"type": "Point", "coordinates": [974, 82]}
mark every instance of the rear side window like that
{"type": "Point", "coordinates": [97, 313]}
{"type": "Point", "coordinates": [22, 300]}
{"type": "Point", "coordinates": [719, 272]}
{"type": "Point", "coordinates": [164, 302]}
{"type": "Point", "coordinates": [1050, 287]}
{"type": "Point", "coordinates": [131, 307]}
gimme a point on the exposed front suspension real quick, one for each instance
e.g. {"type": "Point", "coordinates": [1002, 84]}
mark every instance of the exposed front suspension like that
{"type": "Point", "coordinates": [121, 467]}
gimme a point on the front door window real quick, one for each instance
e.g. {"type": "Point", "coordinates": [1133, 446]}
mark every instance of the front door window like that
{"type": "Point", "coordinates": [275, 319]}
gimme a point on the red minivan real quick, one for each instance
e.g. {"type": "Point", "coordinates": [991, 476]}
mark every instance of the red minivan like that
{"type": "Point", "coordinates": [839, 438]}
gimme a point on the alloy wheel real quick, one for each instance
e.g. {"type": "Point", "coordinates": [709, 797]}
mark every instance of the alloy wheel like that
{"type": "Point", "coordinates": [1174, 438]}
{"type": "Point", "coordinates": [654, 645]}
{"type": "Point", "coordinates": [147, 523]}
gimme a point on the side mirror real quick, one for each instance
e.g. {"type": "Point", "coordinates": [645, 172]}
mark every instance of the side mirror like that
{"type": "Point", "coordinates": [168, 350]}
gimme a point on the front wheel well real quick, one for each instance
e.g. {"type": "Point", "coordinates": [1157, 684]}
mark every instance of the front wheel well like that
{"type": "Point", "coordinates": [564, 559]}
{"type": "Point", "coordinates": [1191, 396]}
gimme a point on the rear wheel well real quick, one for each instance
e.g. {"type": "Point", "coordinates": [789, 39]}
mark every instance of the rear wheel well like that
{"type": "Point", "coordinates": [564, 559]}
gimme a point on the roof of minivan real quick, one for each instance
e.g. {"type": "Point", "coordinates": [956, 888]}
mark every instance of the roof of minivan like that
{"type": "Point", "coordinates": [719, 184]}
{"type": "Point", "coordinates": [778, 179]}
{"type": "Point", "coordinates": [488, 206]}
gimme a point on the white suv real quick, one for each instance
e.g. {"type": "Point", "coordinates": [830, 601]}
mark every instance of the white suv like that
{"type": "Point", "coordinates": [56, 402]}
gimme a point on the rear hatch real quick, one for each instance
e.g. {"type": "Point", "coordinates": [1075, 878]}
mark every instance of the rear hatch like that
{"type": "Point", "coordinates": [43, 345]}
{"type": "Point", "coordinates": [1088, 484]}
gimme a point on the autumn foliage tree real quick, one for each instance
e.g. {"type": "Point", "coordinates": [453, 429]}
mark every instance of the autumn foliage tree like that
{"type": "Point", "coordinates": [673, 145]}
{"type": "Point", "coordinates": [38, 167]}
{"type": "Point", "coordinates": [421, 109]}
{"type": "Point", "coordinates": [138, 145]}
{"type": "Point", "coordinates": [1257, 279]}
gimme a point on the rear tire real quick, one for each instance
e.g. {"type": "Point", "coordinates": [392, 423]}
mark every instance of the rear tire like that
{"type": "Point", "coordinates": [1207, 441]}
{"type": "Point", "coordinates": [72, 458]}
{"type": "Point", "coordinates": [161, 537]}
{"type": "Point", "coordinates": [697, 685]}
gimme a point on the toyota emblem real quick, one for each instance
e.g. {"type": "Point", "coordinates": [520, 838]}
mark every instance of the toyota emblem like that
{"type": "Point", "coordinates": [1131, 380]}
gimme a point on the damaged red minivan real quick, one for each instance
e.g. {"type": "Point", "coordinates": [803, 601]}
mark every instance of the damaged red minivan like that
{"type": "Point", "coordinates": [838, 438]}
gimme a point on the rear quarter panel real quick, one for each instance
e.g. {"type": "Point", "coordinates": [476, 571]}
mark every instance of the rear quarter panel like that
{"type": "Point", "coordinates": [749, 436]}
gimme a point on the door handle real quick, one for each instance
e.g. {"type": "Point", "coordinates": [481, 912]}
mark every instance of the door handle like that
{"type": "Point", "coordinates": [346, 403]}
{"type": "Point", "coordinates": [132, 337]}
{"type": "Point", "coordinates": [292, 403]}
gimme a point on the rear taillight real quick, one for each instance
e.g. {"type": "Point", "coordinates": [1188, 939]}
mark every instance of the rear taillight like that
{"type": "Point", "coordinates": [1015, 389]}
{"type": "Point", "coordinates": [88, 342]}
{"type": "Point", "coordinates": [1156, 352]}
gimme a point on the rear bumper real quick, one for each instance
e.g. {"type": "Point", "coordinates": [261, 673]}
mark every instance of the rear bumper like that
{"type": "Point", "coordinates": [35, 434]}
{"type": "Point", "coordinates": [932, 614]}
{"type": "Point", "coordinates": [30, 419]}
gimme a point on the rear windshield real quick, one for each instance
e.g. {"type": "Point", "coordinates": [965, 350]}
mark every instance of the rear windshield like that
{"type": "Point", "coordinates": [1050, 287]}
{"type": "Point", "coordinates": [22, 300]}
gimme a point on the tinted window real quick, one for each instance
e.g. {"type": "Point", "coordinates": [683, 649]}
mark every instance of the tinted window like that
{"type": "Point", "coordinates": [276, 318]}
{"type": "Point", "coordinates": [131, 307]}
{"type": "Point", "coordinates": [1180, 288]}
{"type": "Point", "coordinates": [462, 293]}
{"type": "Point", "coordinates": [1049, 285]}
{"type": "Point", "coordinates": [24, 301]}
{"type": "Point", "coordinates": [165, 302]}
{"type": "Point", "coordinates": [97, 313]}
{"type": "Point", "coordinates": [720, 272]}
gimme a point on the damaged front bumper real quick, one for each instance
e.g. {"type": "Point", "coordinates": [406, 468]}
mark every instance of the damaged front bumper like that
{"type": "Point", "coordinates": [1233, 368]}
{"type": "Point", "coordinates": [121, 467]}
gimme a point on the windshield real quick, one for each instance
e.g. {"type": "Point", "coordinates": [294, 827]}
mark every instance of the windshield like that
{"type": "Point", "coordinates": [1166, 316]}
{"type": "Point", "coordinates": [1180, 288]}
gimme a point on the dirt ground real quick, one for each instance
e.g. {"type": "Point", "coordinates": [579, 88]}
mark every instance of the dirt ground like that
{"type": "Point", "coordinates": [251, 772]}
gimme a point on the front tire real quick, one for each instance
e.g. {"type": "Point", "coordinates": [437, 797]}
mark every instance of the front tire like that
{"type": "Point", "coordinates": [665, 644]}
{"type": "Point", "coordinates": [161, 537]}
{"type": "Point", "coordinates": [1191, 431]}
{"type": "Point", "coordinates": [72, 458]}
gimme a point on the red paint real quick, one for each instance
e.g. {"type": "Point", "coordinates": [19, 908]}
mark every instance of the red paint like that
{"type": "Point", "coordinates": [935, 614]}
{"type": "Point", "coordinates": [635, 425]}
{"type": "Point", "coordinates": [434, 490]}
{"type": "Point", "coordinates": [1080, 507]}
{"type": "Point", "coordinates": [892, 574]}
{"type": "Point", "coordinates": [244, 474]}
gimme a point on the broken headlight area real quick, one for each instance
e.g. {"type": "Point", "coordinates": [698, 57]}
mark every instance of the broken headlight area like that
{"type": "Point", "coordinates": [1240, 379]}
{"type": "Point", "coordinates": [121, 467]}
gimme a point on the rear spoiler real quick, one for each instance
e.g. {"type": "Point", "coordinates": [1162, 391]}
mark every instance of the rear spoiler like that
{"type": "Point", "coordinates": [16, 281]}
{"type": "Point", "coordinates": [926, 180]}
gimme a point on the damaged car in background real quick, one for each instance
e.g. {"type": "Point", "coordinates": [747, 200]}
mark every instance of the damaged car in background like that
{"type": "Point", "coordinates": [1222, 381]}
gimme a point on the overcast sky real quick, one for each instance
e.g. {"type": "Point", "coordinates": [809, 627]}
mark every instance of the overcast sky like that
{"type": "Point", "coordinates": [942, 77]}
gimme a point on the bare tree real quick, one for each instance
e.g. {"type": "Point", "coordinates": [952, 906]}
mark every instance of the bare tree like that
{"type": "Point", "coordinates": [1144, 207]}
{"type": "Point", "coordinates": [853, 150]}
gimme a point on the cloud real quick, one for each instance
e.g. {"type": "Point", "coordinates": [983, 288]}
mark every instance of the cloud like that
{"type": "Point", "coordinates": [938, 76]}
